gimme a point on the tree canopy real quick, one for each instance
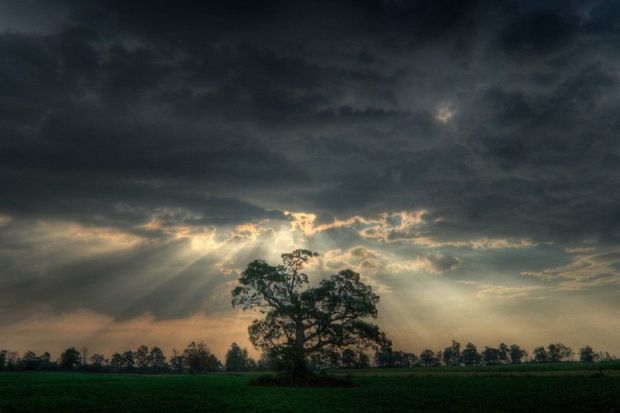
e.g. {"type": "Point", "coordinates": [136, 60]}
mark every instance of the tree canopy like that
{"type": "Point", "coordinates": [301, 321]}
{"type": "Point", "coordinates": [70, 359]}
{"type": "Point", "coordinates": [237, 359]}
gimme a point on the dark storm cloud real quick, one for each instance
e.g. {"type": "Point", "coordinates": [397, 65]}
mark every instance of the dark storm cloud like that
{"type": "Point", "coordinates": [499, 118]}
{"type": "Point", "coordinates": [537, 31]}
{"type": "Point", "coordinates": [112, 92]}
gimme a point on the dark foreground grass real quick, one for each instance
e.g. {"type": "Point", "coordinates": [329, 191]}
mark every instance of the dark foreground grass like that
{"type": "Point", "coordinates": [73, 392]}
{"type": "Point", "coordinates": [566, 368]}
{"type": "Point", "coordinates": [310, 380]}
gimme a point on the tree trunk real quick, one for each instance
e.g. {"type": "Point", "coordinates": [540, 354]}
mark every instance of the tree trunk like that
{"type": "Point", "coordinates": [298, 367]}
{"type": "Point", "coordinates": [300, 337]}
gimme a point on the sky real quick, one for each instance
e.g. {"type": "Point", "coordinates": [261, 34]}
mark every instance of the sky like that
{"type": "Point", "coordinates": [463, 156]}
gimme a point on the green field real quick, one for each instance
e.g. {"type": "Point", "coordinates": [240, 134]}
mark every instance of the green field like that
{"type": "Point", "coordinates": [549, 388]}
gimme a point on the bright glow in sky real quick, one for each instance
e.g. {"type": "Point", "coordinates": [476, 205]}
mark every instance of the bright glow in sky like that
{"type": "Point", "coordinates": [123, 290]}
{"type": "Point", "coordinates": [444, 114]}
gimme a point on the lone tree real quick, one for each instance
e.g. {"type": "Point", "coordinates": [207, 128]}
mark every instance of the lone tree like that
{"type": "Point", "coordinates": [300, 321]}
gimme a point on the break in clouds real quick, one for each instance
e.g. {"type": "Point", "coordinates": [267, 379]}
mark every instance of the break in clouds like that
{"type": "Point", "coordinates": [463, 156]}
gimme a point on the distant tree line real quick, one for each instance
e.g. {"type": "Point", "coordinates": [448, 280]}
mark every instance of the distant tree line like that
{"type": "Point", "coordinates": [197, 358]}
{"type": "Point", "coordinates": [454, 355]}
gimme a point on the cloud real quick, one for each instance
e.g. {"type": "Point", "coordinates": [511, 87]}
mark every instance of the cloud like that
{"type": "Point", "coordinates": [444, 114]}
{"type": "Point", "coordinates": [440, 262]}
{"type": "Point", "coordinates": [149, 151]}
{"type": "Point", "coordinates": [376, 265]}
{"type": "Point", "coordinates": [5, 219]}
{"type": "Point", "coordinates": [537, 31]}
{"type": "Point", "coordinates": [416, 227]}
{"type": "Point", "coordinates": [102, 334]}
{"type": "Point", "coordinates": [506, 292]}
{"type": "Point", "coordinates": [420, 228]}
{"type": "Point", "coordinates": [108, 108]}
{"type": "Point", "coordinates": [305, 222]}
{"type": "Point", "coordinates": [64, 267]}
{"type": "Point", "coordinates": [585, 270]}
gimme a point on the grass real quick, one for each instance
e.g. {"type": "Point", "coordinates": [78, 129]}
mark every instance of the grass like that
{"type": "Point", "coordinates": [571, 387]}
{"type": "Point", "coordinates": [568, 368]}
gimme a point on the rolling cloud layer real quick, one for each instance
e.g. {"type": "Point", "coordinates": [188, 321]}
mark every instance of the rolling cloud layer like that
{"type": "Point", "coordinates": [462, 155]}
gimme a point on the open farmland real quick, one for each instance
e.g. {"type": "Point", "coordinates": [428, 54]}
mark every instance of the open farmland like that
{"type": "Point", "coordinates": [526, 388]}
